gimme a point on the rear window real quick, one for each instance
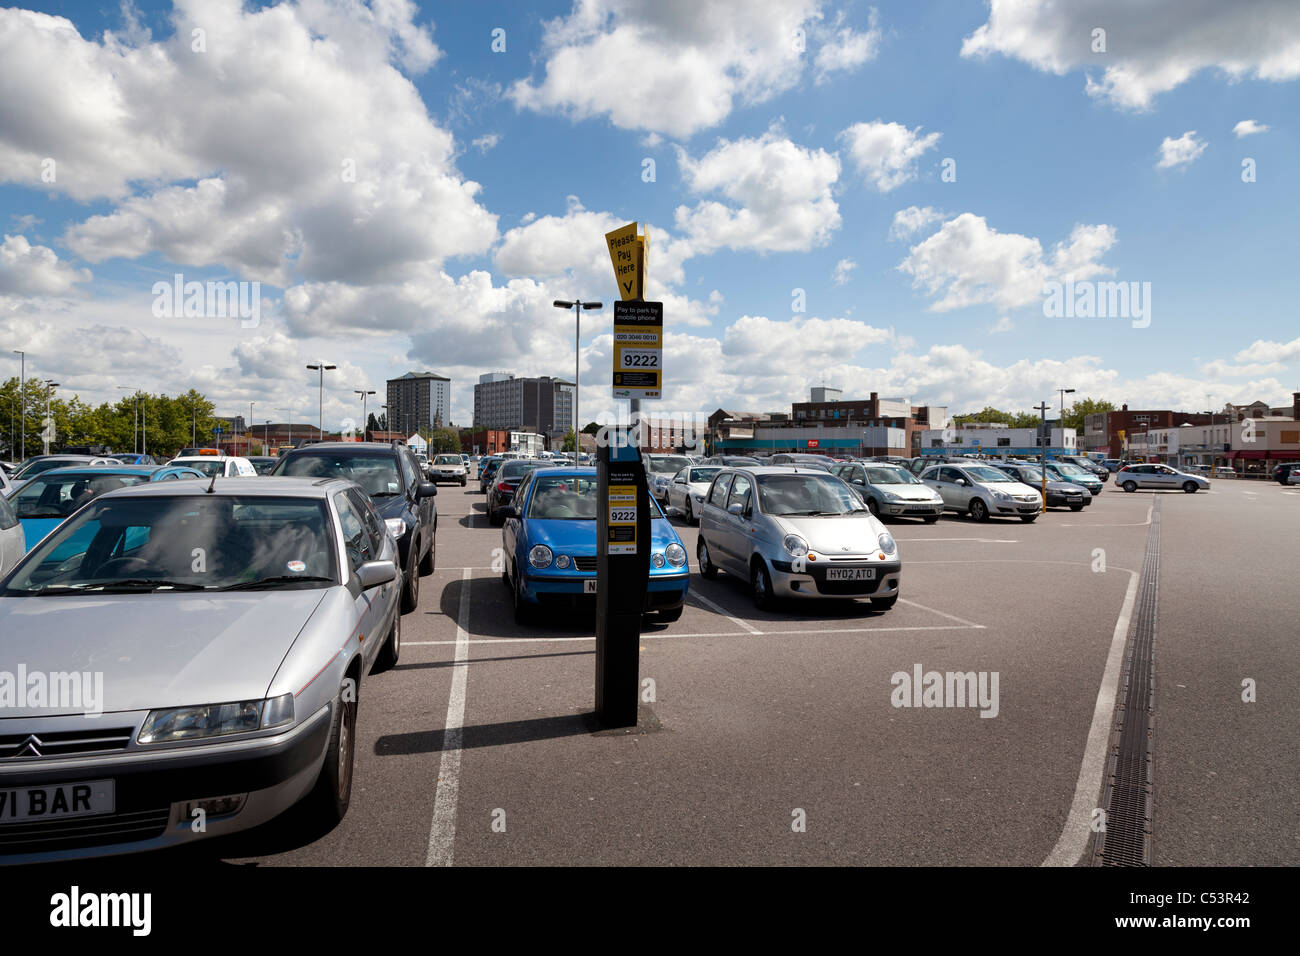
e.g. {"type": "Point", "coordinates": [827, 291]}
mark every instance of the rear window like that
{"type": "Point", "coordinates": [377, 475]}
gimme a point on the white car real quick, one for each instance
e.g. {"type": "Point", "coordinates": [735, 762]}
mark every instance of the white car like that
{"type": "Point", "coordinates": [222, 466]}
{"type": "Point", "coordinates": [448, 468]}
{"type": "Point", "coordinates": [1159, 476]}
{"type": "Point", "coordinates": [13, 540]}
{"type": "Point", "coordinates": [982, 491]}
{"type": "Point", "coordinates": [688, 488]}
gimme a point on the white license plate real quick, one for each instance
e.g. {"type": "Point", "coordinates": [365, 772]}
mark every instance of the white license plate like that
{"type": "Point", "coordinates": [850, 574]}
{"type": "Point", "coordinates": [589, 586]}
{"type": "Point", "coordinates": [83, 799]}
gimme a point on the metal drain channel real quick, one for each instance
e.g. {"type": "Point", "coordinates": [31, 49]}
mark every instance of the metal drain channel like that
{"type": "Point", "coordinates": [1126, 839]}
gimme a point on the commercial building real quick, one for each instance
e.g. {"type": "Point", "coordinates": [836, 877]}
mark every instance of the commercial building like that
{"type": "Point", "coordinates": [1000, 440]}
{"type": "Point", "coordinates": [418, 400]}
{"type": "Point", "coordinates": [1106, 432]}
{"type": "Point", "coordinates": [543, 405]}
{"type": "Point", "coordinates": [1250, 446]}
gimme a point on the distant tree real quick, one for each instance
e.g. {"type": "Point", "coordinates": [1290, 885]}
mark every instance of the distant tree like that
{"type": "Point", "coordinates": [1080, 410]}
{"type": "Point", "coordinates": [570, 441]}
{"type": "Point", "coordinates": [591, 428]}
{"type": "Point", "coordinates": [372, 423]}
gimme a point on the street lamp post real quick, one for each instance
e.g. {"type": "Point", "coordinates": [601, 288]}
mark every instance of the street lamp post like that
{"type": "Point", "coordinates": [1041, 408]}
{"type": "Point", "coordinates": [249, 430]}
{"type": "Point", "coordinates": [321, 367]}
{"type": "Point", "coordinates": [363, 393]}
{"type": "Point", "coordinates": [577, 306]}
{"type": "Point", "coordinates": [135, 415]}
{"type": "Point", "coordinates": [49, 385]}
{"type": "Point", "coordinates": [22, 399]}
{"type": "Point", "coordinates": [289, 412]}
{"type": "Point", "coordinates": [1063, 392]}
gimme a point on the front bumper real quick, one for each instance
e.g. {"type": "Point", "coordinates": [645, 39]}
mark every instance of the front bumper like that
{"type": "Point", "coordinates": [910, 509]}
{"type": "Point", "coordinates": [664, 591]}
{"type": "Point", "coordinates": [813, 583]}
{"type": "Point", "coordinates": [151, 788]}
{"type": "Point", "coordinates": [1016, 507]}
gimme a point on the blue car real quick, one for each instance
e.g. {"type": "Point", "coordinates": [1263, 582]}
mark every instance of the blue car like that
{"type": "Point", "coordinates": [549, 538]}
{"type": "Point", "coordinates": [44, 502]}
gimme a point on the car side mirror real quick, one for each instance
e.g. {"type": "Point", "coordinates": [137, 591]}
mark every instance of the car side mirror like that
{"type": "Point", "coordinates": [962, 482]}
{"type": "Point", "coordinates": [374, 573]}
{"type": "Point", "coordinates": [426, 489]}
{"type": "Point", "coordinates": [736, 508]}
{"type": "Point", "coordinates": [510, 511]}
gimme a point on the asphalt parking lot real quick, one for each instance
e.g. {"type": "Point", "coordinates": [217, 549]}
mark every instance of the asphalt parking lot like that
{"type": "Point", "coordinates": [772, 738]}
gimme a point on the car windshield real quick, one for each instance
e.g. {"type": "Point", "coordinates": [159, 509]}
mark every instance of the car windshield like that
{"type": "Point", "coordinates": [564, 496]}
{"type": "Point", "coordinates": [39, 465]}
{"type": "Point", "coordinates": [377, 474]}
{"type": "Point", "coordinates": [182, 543]}
{"type": "Point", "coordinates": [517, 469]}
{"type": "Point", "coordinates": [57, 496]}
{"type": "Point", "coordinates": [669, 465]}
{"type": "Point", "coordinates": [986, 475]}
{"type": "Point", "coordinates": [702, 475]}
{"type": "Point", "coordinates": [1029, 474]}
{"type": "Point", "coordinates": [806, 495]}
{"type": "Point", "coordinates": [1068, 469]}
{"type": "Point", "coordinates": [448, 460]}
{"type": "Point", "coordinates": [209, 466]}
{"type": "Point", "coordinates": [889, 475]}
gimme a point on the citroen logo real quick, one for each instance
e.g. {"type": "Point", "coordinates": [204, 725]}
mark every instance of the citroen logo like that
{"type": "Point", "coordinates": [845, 548]}
{"type": "Point", "coordinates": [28, 747]}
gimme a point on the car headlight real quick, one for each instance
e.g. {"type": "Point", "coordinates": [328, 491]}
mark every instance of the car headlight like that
{"type": "Point", "coordinates": [396, 526]}
{"type": "Point", "coordinates": [562, 562]}
{"type": "Point", "coordinates": [1001, 496]}
{"type": "Point", "coordinates": [675, 554]}
{"type": "Point", "coordinates": [215, 720]}
{"type": "Point", "coordinates": [887, 543]}
{"type": "Point", "coordinates": [657, 560]}
{"type": "Point", "coordinates": [795, 545]}
{"type": "Point", "coordinates": [890, 496]}
{"type": "Point", "coordinates": [540, 556]}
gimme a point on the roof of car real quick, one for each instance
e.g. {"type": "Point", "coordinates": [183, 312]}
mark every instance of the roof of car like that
{"type": "Point", "coordinates": [342, 446]}
{"type": "Point", "coordinates": [265, 487]}
{"type": "Point", "coordinates": [99, 470]}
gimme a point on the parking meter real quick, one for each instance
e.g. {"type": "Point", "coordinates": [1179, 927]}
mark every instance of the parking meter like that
{"type": "Point", "coordinates": [622, 572]}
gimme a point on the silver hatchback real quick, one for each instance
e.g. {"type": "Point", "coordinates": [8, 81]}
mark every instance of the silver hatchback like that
{"type": "Point", "coordinates": [796, 533]}
{"type": "Point", "coordinates": [1159, 476]}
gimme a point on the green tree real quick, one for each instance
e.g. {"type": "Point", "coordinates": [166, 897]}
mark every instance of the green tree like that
{"type": "Point", "coordinates": [591, 428]}
{"type": "Point", "coordinates": [1080, 410]}
{"type": "Point", "coordinates": [570, 441]}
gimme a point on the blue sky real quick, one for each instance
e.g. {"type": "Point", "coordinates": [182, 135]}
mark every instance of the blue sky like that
{"type": "Point", "coordinates": [772, 165]}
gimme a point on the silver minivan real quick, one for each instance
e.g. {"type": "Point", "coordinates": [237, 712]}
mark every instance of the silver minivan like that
{"type": "Point", "coordinates": [796, 533]}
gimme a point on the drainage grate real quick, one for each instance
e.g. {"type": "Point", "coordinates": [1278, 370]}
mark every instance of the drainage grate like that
{"type": "Point", "coordinates": [1126, 841]}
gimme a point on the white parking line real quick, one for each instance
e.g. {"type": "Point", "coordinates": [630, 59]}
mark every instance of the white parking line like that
{"type": "Point", "coordinates": [665, 637]}
{"type": "Point", "coordinates": [718, 609]}
{"type": "Point", "coordinates": [1132, 524]}
{"type": "Point", "coordinates": [442, 829]}
{"type": "Point", "coordinates": [951, 617]}
{"type": "Point", "coordinates": [1078, 823]}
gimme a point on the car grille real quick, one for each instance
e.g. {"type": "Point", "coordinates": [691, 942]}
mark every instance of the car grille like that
{"type": "Point", "coordinates": [585, 563]}
{"type": "Point", "coordinates": [50, 835]}
{"type": "Point", "coordinates": [847, 587]}
{"type": "Point", "coordinates": [65, 743]}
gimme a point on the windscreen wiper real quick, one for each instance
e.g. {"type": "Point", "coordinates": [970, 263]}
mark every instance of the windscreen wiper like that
{"type": "Point", "coordinates": [144, 584]}
{"type": "Point", "coordinates": [273, 581]}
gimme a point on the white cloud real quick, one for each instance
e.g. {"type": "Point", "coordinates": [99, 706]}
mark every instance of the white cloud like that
{"type": "Point", "coordinates": [251, 164]}
{"type": "Point", "coordinates": [26, 269]}
{"type": "Point", "coordinates": [908, 222]}
{"type": "Point", "coordinates": [968, 263]}
{"type": "Point", "coordinates": [847, 49]}
{"type": "Point", "coordinates": [1182, 151]}
{"type": "Point", "coordinates": [1151, 47]}
{"type": "Point", "coordinates": [486, 142]}
{"type": "Point", "coordinates": [886, 153]}
{"type": "Point", "coordinates": [781, 191]}
{"type": "Point", "coordinates": [1250, 127]}
{"type": "Point", "coordinates": [705, 57]}
{"type": "Point", "coordinates": [1263, 351]}
{"type": "Point", "coordinates": [843, 270]}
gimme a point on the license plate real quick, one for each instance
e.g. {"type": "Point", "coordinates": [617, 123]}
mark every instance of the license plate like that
{"type": "Point", "coordinates": [62, 800]}
{"type": "Point", "coordinates": [850, 574]}
{"type": "Point", "coordinates": [589, 586]}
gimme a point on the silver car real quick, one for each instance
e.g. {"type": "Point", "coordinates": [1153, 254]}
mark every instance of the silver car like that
{"type": "Point", "coordinates": [891, 490]}
{"type": "Point", "coordinates": [688, 489]}
{"type": "Point", "coordinates": [1159, 476]}
{"type": "Point", "coordinates": [982, 491]}
{"type": "Point", "coordinates": [206, 653]}
{"type": "Point", "coordinates": [796, 533]}
{"type": "Point", "coordinates": [449, 468]}
{"type": "Point", "coordinates": [13, 540]}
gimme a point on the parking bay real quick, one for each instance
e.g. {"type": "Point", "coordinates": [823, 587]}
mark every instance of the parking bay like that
{"type": "Point", "coordinates": [761, 719]}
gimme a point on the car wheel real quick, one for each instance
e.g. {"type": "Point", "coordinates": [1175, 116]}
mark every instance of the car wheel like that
{"type": "Point", "coordinates": [1029, 519]}
{"type": "Point", "coordinates": [873, 507]}
{"type": "Point", "coordinates": [931, 519]}
{"type": "Point", "coordinates": [671, 614]}
{"type": "Point", "coordinates": [430, 561]}
{"type": "Point", "coordinates": [1076, 507]}
{"type": "Point", "coordinates": [979, 510]}
{"type": "Point", "coordinates": [884, 604]}
{"type": "Point", "coordinates": [707, 570]}
{"type": "Point", "coordinates": [495, 518]}
{"type": "Point", "coordinates": [1189, 487]}
{"type": "Point", "coordinates": [1130, 486]}
{"type": "Point", "coordinates": [327, 804]}
{"type": "Point", "coordinates": [411, 592]}
{"type": "Point", "coordinates": [392, 648]}
{"type": "Point", "coordinates": [463, 482]}
{"type": "Point", "coordinates": [760, 586]}
{"type": "Point", "coordinates": [690, 512]}
{"type": "Point", "coordinates": [523, 609]}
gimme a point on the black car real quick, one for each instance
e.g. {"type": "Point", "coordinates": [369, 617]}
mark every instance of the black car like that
{"type": "Point", "coordinates": [392, 478]}
{"type": "Point", "coordinates": [504, 485]}
{"type": "Point", "coordinates": [1283, 471]}
{"type": "Point", "coordinates": [1060, 494]}
{"type": "Point", "coordinates": [487, 470]}
{"type": "Point", "coordinates": [264, 464]}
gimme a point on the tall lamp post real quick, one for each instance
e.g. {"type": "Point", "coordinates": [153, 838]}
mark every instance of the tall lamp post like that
{"type": "Point", "coordinates": [289, 412]}
{"type": "Point", "coordinates": [1064, 392]}
{"type": "Point", "coordinates": [321, 367]}
{"type": "Point", "coordinates": [577, 306]}
{"type": "Point", "coordinates": [49, 384]}
{"type": "Point", "coordinates": [363, 393]}
{"type": "Point", "coordinates": [135, 416]}
{"type": "Point", "coordinates": [1041, 408]}
{"type": "Point", "coordinates": [22, 400]}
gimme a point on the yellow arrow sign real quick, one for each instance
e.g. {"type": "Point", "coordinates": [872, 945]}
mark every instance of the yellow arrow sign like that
{"type": "Point", "coordinates": [625, 251]}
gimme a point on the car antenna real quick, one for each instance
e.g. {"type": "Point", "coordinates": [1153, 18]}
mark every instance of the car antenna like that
{"type": "Point", "coordinates": [212, 483]}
